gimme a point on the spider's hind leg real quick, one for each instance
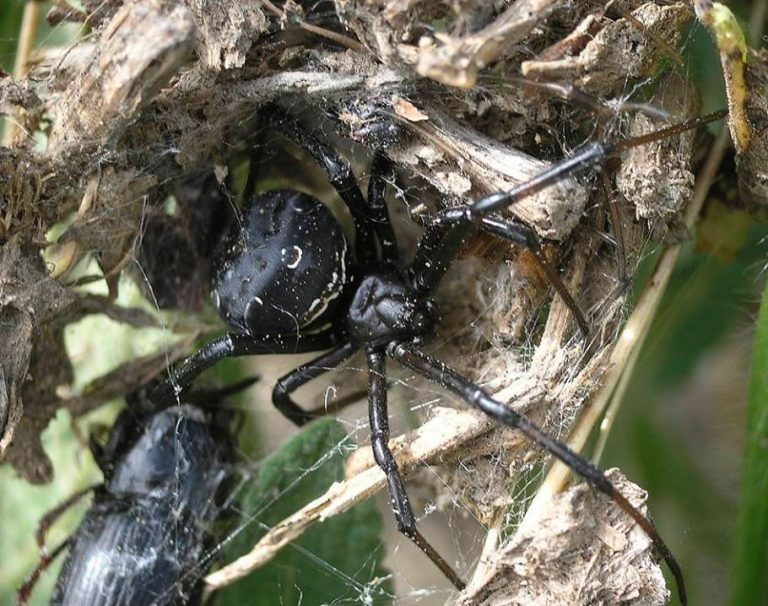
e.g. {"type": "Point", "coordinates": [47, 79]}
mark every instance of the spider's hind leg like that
{"type": "Point", "coordinates": [439, 372]}
{"type": "Point", "coordinates": [401, 507]}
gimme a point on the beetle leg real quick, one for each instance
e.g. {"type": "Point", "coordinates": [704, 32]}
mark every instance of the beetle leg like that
{"type": "Point", "coordinates": [23, 592]}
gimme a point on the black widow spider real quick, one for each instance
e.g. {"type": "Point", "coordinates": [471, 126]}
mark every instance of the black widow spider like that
{"type": "Point", "coordinates": [285, 283]}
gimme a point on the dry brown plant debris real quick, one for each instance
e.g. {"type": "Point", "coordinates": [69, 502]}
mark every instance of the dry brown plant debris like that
{"type": "Point", "coordinates": [158, 90]}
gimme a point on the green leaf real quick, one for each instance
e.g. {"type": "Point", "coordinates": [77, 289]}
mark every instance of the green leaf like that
{"type": "Point", "coordinates": [749, 582]}
{"type": "Point", "coordinates": [336, 562]}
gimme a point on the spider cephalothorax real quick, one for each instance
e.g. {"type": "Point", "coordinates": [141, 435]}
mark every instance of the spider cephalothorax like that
{"type": "Point", "coordinates": [385, 308]}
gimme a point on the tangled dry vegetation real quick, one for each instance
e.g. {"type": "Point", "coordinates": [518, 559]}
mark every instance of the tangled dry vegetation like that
{"type": "Point", "coordinates": [159, 90]}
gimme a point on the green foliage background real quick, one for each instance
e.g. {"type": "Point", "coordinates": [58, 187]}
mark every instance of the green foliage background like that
{"type": "Point", "coordinates": [682, 432]}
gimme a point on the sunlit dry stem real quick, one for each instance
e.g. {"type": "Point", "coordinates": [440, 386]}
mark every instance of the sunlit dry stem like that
{"type": "Point", "coordinates": [706, 179]}
{"type": "Point", "coordinates": [23, 49]}
{"type": "Point", "coordinates": [630, 341]}
{"type": "Point", "coordinates": [445, 433]}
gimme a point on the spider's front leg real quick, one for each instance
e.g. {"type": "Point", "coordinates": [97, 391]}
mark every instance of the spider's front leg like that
{"type": "Point", "coordinates": [302, 375]}
{"type": "Point", "coordinates": [377, 413]}
{"type": "Point", "coordinates": [448, 232]}
{"type": "Point", "coordinates": [526, 237]}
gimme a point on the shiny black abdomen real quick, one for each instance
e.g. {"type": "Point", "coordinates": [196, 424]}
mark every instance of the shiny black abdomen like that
{"type": "Point", "coordinates": [282, 264]}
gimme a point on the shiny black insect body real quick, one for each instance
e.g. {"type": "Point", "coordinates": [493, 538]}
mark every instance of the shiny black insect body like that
{"type": "Point", "coordinates": [286, 282]}
{"type": "Point", "coordinates": [145, 538]}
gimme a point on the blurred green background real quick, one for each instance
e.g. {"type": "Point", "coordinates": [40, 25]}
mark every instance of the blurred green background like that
{"type": "Point", "coordinates": [681, 432]}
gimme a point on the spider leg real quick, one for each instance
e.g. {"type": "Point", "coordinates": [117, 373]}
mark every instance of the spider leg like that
{"type": "Point", "coordinates": [233, 345]}
{"type": "Point", "coordinates": [589, 156]}
{"type": "Point", "coordinates": [438, 248]}
{"type": "Point", "coordinates": [401, 506]}
{"type": "Point", "coordinates": [304, 374]}
{"type": "Point", "coordinates": [203, 397]}
{"type": "Point", "coordinates": [340, 175]}
{"type": "Point", "coordinates": [525, 236]}
{"type": "Point", "coordinates": [472, 394]}
{"type": "Point", "coordinates": [573, 95]}
{"type": "Point", "coordinates": [381, 168]}
{"type": "Point", "coordinates": [444, 237]}
{"type": "Point", "coordinates": [253, 174]}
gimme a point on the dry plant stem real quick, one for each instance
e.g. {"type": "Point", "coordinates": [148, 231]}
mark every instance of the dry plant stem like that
{"type": "Point", "coordinates": [26, 38]}
{"type": "Point", "coordinates": [747, 105]}
{"type": "Point", "coordinates": [122, 75]}
{"type": "Point", "coordinates": [732, 49]}
{"type": "Point", "coordinates": [669, 51]}
{"type": "Point", "coordinates": [617, 396]}
{"type": "Point", "coordinates": [581, 542]}
{"type": "Point", "coordinates": [493, 166]}
{"type": "Point", "coordinates": [708, 174]}
{"type": "Point", "coordinates": [557, 325]}
{"type": "Point", "coordinates": [318, 31]}
{"type": "Point", "coordinates": [491, 542]}
{"type": "Point", "coordinates": [23, 49]}
{"type": "Point", "coordinates": [630, 340]}
{"type": "Point", "coordinates": [446, 432]}
{"type": "Point", "coordinates": [458, 62]}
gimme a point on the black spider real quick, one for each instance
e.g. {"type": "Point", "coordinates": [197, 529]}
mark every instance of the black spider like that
{"type": "Point", "coordinates": [285, 282]}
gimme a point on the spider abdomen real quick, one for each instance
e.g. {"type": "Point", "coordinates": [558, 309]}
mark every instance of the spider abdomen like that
{"type": "Point", "coordinates": [282, 263]}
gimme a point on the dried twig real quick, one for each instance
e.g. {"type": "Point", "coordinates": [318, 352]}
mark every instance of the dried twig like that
{"type": "Point", "coordinates": [447, 431]}
{"type": "Point", "coordinates": [23, 50]}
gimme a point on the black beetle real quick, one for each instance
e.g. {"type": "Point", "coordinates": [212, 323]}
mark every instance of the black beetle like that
{"type": "Point", "coordinates": [146, 537]}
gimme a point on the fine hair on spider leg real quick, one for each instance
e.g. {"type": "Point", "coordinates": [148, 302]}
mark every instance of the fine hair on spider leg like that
{"type": "Point", "coordinates": [285, 281]}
